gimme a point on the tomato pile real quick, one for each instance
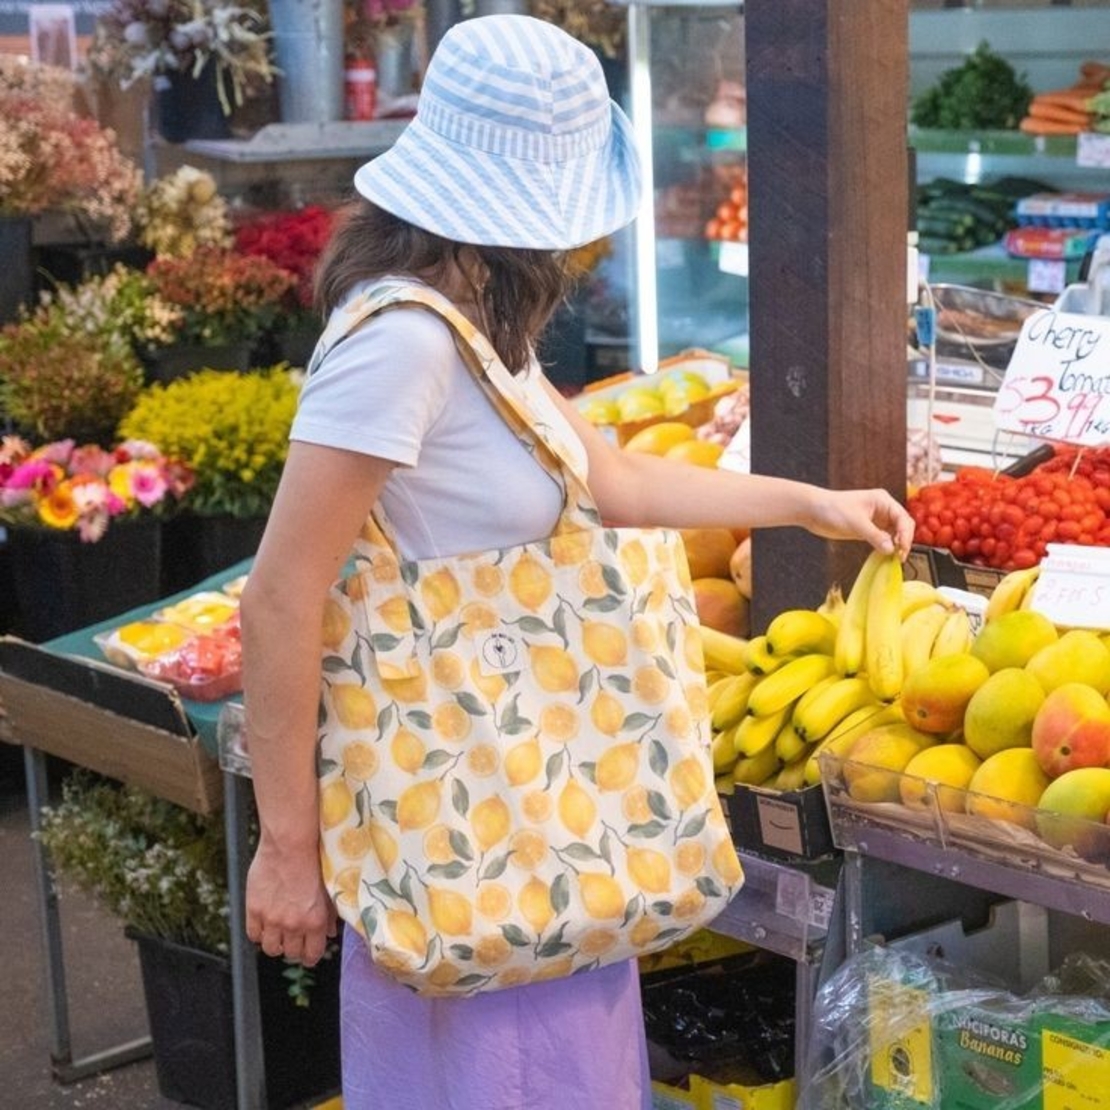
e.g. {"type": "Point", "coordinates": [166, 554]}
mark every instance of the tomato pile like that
{"type": "Point", "coordinates": [995, 520]}
{"type": "Point", "coordinates": [206, 667]}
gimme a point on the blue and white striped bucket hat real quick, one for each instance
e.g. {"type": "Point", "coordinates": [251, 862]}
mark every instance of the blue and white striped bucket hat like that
{"type": "Point", "coordinates": [515, 143]}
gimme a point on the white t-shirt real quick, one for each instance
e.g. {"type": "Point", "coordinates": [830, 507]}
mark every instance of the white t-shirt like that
{"type": "Point", "coordinates": [397, 388]}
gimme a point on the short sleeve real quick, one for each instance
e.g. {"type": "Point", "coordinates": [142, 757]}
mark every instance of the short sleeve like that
{"type": "Point", "coordinates": [380, 390]}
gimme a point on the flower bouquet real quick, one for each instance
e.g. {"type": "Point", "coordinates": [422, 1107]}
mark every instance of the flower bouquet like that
{"type": "Point", "coordinates": [64, 486]}
{"type": "Point", "coordinates": [183, 211]}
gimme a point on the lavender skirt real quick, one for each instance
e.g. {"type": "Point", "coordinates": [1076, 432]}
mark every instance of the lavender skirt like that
{"type": "Point", "coordinates": [569, 1044]}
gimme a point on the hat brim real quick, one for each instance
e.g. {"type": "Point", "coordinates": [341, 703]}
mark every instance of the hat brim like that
{"type": "Point", "coordinates": [490, 200]}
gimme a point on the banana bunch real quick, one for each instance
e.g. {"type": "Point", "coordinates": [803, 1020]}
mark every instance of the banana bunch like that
{"type": "Point", "coordinates": [936, 629]}
{"type": "Point", "coordinates": [1014, 591]}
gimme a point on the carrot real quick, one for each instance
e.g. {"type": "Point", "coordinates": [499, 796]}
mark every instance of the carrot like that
{"type": "Point", "coordinates": [1033, 126]}
{"type": "Point", "coordinates": [1059, 115]}
{"type": "Point", "coordinates": [1075, 99]}
{"type": "Point", "coordinates": [1095, 73]}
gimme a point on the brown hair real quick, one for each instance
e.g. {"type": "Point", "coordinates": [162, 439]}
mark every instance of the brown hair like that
{"type": "Point", "coordinates": [524, 286]}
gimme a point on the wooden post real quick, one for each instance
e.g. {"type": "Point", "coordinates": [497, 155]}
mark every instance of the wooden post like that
{"type": "Point", "coordinates": [828, 182]}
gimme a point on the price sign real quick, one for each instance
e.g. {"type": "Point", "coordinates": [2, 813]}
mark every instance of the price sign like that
{"type": "Point", "coordinates": [1057, 385]}
{"type": "Point", "coordinates": [734, 258]}
{"type": "Point", "coordinates": [1047, 275]}
{"type": "Point", "coordinates": [1073, 587]}
{"type": "Point", "coordinates": [1092, 149]}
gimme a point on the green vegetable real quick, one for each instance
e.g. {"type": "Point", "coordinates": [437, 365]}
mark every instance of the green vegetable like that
{"type": "Point", "coordinates": [983, 92]}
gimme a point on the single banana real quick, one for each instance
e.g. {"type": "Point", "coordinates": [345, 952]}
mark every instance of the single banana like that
{"type": "Point", "coordinates": [883, 636]}
{"type": "Point", "coordinates": [788, 683]}
{"type": "Point", "coordinates": [1011, 591]}
{"type": "Point", "coordinates": [848, 732]}
{"type": "Point", "coordinates": [814, 691]}
{"type": "Point", "coordinates": [833, 605]}
{"type": "Point", "coordinates": [919, 633]}
{"type": "Point", "coordinates": [722, 652]}
{"type": "Point", "coordinates": [916, 594]}
{"type": "Point", "coordinates": [758, 658]}
{"type": "Point", "coordinates": [815, 719]}
{"type": "Point", "coordinates": [715, 687]}
{"type": "Point", "coordinates": [756, 769]}
{"type": "Point", "coordinates": [791, 776]}
{"type": "Point", "coordinates": [753, 734]}
{"type": "Point", "coordinates": [796, 631]}
{"type": "Point", "coordinates": [732, 702]}
{"type": "Point", "coordinates": [723, 752]}
{"type": "Point", "coordinates": [954, 636]}
{"type": "Point", "coordinates": [848, 651]}
{"type": "Point", "coordinates": [788, 744]}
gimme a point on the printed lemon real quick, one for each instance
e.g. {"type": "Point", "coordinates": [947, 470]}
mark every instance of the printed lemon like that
{"type": "Point", "coordinates": [354, 705]}
{"type": "Point", "coordinates": [448, 670]}
{"type": "Point", "coordinates": [493, 901]}
{"type": "Point", "coordinates": [441, 593]}
{"type": "Point", "coordinates": [406, 930]}
{"type": "Point", "coordinates": [534, 903]}
{"type": "Point", "coordinates": [604, 644]}
{"type": "Point", "coordinates": [634, 559]}
{"type": "Point", "coordinates": [477, 617]}
{"type": "Point", "coordinates": [407, 750]}
{"type": "Point", "coordinates": [483, 759]}
{"type": "Point", "coordinates": [492, 951]}
{"type": "Point", "coordinates": [692, 649]}
{"type": "Point", "coordinates": [644, 931]}
{"type": "Point", "coordinates": [554, 668]}
{"type": "Point", "coordinates": [553, 969]}
{"type": "Point", "coordinates": [537, 806]}
{"type": "Point", "coordinates": [689, 904]}
{"type": "Point", "coordinates": [617, 767]}
{"type": "Point", "coordinates": [384, 569]}
{"type": "Point", "coordinates": [444, 975]}
{"type": "Point", "coordinates": [451, 721]}
{"type": "Point", "coordinates": [679, 721]}
{"type": "Point", "coordinates": [346, 885]}
{"type": "Point", "coordinates": [591, 580]}
{"type": "Point", "coordinates": [569, 549]}
{"type": "Point", "coordinates": [649, 870]}
{"type": "Point", "coordinates": [577, 810]}
{"type": "Point", "coordinates": [407, 690]}
{"type": "Point", "coordinates": [690, 857]}
{"type": "Point", "coordinates": [650, 684]}
{"type": "Point", "coordinates": [596, 942]}
{"type": "Point", "coordinates": [336, 803]}
{"type": "Point", "coordinates": [602, 896]}
{"type": "Point", "coordinates": [726, 862]}
{"type": "Point", "coordinates": [607, 713]}
{"type": "Point", "coordinates": [360, 760]}
{"type": "Point", "coordinates": [385, 847]}
{"type": "Point", "coordinates": [697, 700]}
{"type": "Point", "coordinates": [336, 624]}
{"type": "Point", "coordinates": [523, 762]}
{"type": "Point", "coordinates": [514, 977]}
{"type": "Point", "coordinates": [488, 579]}
{"type": "Point", "coordinates": [559, 721]}
{"type": "Point", "coordinates": [357, 587]}
{"type": "Point", "coordinates": [689, 781]}
{"type": "Point", "coordinates": [657, 594]}
{"type": "Point", "coordinates": [395, 614]}
{"type": "Point", "coordinates": [491, 686]}
{"type": "Point", "coordinates": [528, 848]}
{"type": "Point", "coordinates": [645, 633]}
{"type": "Point", "coordinates": [354, 842]}
{"type": "Point", "coordinates": [635, 805]}
{"type": "Point", "coordinates": [418, 806]}
{"type": "Point", "coordinates": [490, 819]}
{"type": "Point", "coordinates": [451, 912]}
{"type": "Point", "coordinates": [437, 844]}
{"type": "Point", "coordinates": [530, 582]}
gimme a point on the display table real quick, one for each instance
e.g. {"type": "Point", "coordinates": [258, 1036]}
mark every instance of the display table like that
{"type": "Point", "coordinates": [63, 700]}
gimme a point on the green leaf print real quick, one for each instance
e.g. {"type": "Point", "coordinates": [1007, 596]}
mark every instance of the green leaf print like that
{"type": "Point", "coordinates": [553, 947]}
{"type": "Point", "coordinates": [334, 664]}
{"type": "Point", "coordinates": [638, 720]}
{"type": "Point", "coordinates": [515, 935]}
{"type": "Point", "coordinates": [657, 758]}
{"type": "Point", "coordinates": [460, 797]}
{"type": "Point", "coordinates": [708, 887]}
{"type": "Point", "coordinates": [461, 951]}
{"type": "Point", "coordinates": [614, 580]}
{"type": "Point", "coordinates": [460, 844]}
{"type": "Point", "coordinates": [419, 719]}
{"type": "Point", "coordinates": [383, 641]}
{"type": "Point", "coordinates": [446, 638]}
{"type": "Point", "coordinates": [533, 626]}
{"type": "Point", "coordinates": [665, 665]}
{"type": "Point", "coordinates": [388, 810]}
{"type": "Point", "coordinates": [470, 703]}
{"type": "Point", "coordinates": [560, 893]}
{"type": "Point", "coordinates": [579, 851]}
{"type": "Point", "coordinates": [410, 573]}
{"type": "Point", "coordinates": [693, 826]}
{"type": "Point", "coordinates": [657, 803]}
{"type": "Point", "coordinates": [435, 758]}
{"type": "Point", "coordinates": [452, 870]}
{"type": "Point", "coordinates": [646, 829]}
{"type": "Point", "coordinates": [604, 604]}
{"type": "Point", "coordinates": [619, 682]}
{"type": "Point", "coordinates": [495, 867]}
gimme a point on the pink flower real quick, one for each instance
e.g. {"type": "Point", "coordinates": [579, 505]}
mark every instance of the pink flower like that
{"type": "Point", "coordinates": [136, 449]}
{"type": "Point", "coordinates": [58, 452]}
{"type": "Point", "coordinates": [148, 484]}
{"type": "Point", "coordinates": [91, 527]}
{"type": "Point", "coordinates": [91, 460]}
{"type": "Point", "coordinates": [36, 474]}
{"type": "Point", "coordinates": [13, 449]}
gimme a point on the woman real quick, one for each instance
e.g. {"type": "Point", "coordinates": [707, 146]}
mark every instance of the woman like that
{"type": "Point", "coordinates": [516, 156]}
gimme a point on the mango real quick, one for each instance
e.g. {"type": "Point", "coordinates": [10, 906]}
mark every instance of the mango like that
{"type": "Point", "coordinates": [721, 605]}
{"type": "Point", "coordinates": [658, 439]}
{"type": "Point", "coordinates": [948, 766]}
{"type": "Point", "coordinates": [1072, 810]}
{"type": "Point", "coordinates": [699, 452]}
{"type": "Point", "coordinates": [875, 761]}
{"type": "Point", "coordinates": [1013, 638]}
{"type": "Point", "coordinates": [708, 551]}
{"type": "Point", "coordinates": [1072, 729]}
{"type": "Point", "coordinates": [1001, 712]}
{"type": "Point", "coordinates": [1007, 786]}
{"type": "Point", "coordinates": [1077, 656]}
{"type": "Point", "coordinates": [935, 696]}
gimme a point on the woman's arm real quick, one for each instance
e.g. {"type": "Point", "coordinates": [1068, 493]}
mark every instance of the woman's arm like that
{"type": "Point", "coordinates": [323, 499]}
{"type": "Point", "coordinates": [634, 488]}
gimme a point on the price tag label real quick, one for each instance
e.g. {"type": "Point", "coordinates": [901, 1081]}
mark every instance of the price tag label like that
{"type": "Point", "coordinates": [1093, 150]}
{"type": "Point", "coordinates": [1047, 275]}
{"type": "Point", "coordinates": [1073, 587]}
{"type": "Point", "coordinates": [734, 258]}
{"type": "Point", "coordinates": [1057, 385]}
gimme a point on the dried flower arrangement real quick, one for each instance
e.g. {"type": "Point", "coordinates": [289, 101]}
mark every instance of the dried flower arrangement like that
{"type": "Point", "coordinates": [182, 211]}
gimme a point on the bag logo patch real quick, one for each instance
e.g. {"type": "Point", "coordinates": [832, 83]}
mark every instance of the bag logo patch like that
{"type": "Point", "coordinates": [499, 652]}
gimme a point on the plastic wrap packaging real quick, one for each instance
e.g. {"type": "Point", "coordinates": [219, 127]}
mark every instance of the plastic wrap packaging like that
{"type": "Point", "coordinates": [897, 1031]}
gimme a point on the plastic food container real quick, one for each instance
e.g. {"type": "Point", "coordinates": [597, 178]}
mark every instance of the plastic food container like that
{"type": "Point", "coordinates": [140, 641]}
{"type": "Point", "coordinates": [204, 668]}
{"type": "Point", "coordinates": [235, 587]}
{"type": "Point", "coordinates": [202, 612]}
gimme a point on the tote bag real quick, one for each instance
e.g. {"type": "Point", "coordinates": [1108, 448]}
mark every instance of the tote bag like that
{"type": "Point", "coordinates": [514, 773]}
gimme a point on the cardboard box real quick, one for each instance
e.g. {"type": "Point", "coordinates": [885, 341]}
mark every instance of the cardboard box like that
{"type": "Point", "coordinates": [941, 568]}
{"type": "Point", "coordinates": [113, 722]}
{"type": "Point", "coordinates": [782, 824]}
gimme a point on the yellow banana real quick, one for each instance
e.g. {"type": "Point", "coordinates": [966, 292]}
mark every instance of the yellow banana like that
{"type": "Point", "coordinates": [791, 776]}
{"type": "Point", "coordinates": [954, 635]}
{"type": "Point", "coordinates": [759, 659]}
{"type": "Point", "coordinates": [848, 651]}
{"type": "Point", "coordinates": [919, 633]}
{"type": "Point", "coordinates": [732, 702]}
{"type": "Point", "coordinates": [723, 751]}
{"type": "Point", "coordinates": [753, 734]}
{"type": "Point", "coordinates": [795, 631]}
{"type": "Point", "coordinates": [916, 594]}
{"type": "Point", "coordinates": [815, 718]}
{"type": "Point", "coordinates": [722, 652]}
{"type": "Point", "coordinates": [1011, 592]}
{"type": "Point", "coordinates": [788, 683]}
{"type": "Point", "coordinates": [833, 605]}
{"type": "Point", "coordinates": [848, 732]}
{"type": "Point", "coordinates": [756, 769]}
{"type": "Point", "coordinates": [814, 691]}
{"type": "Point", "coordinates": [883, 636]}
{"type": "Point", "coordinates": [788, 744]}
{"type": "Point", "coordinates": [715, 687]}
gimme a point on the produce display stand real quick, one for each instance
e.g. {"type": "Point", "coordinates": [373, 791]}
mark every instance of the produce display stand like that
{"type": "Point", "coordinates": [62, 700]}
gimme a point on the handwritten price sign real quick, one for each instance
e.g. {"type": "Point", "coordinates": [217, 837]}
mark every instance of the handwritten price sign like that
{"type": "Point", "coordinates": [1073, 587]}
{"type": "Point", "coordinates": [1057, 385]}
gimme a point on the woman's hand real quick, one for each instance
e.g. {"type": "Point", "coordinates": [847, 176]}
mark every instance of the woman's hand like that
{"type": "Point", "coordinates": [872, 515]}
{"type": "Point", "coordinates": [289, 912]}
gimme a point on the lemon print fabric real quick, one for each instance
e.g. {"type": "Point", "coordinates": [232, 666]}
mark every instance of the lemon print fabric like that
{"type": "Point", "coordinates": [515, 781]}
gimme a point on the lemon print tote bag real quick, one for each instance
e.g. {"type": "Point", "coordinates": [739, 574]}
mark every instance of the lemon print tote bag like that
{"type": "Point", "coordinates": [515, 780]}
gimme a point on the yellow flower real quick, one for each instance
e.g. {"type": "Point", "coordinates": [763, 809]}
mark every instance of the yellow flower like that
{"type": "Point", "coordinates": [58, 509]}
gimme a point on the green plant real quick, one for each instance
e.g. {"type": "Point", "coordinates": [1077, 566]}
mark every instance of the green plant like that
{"type": "Point", "coordinates": [158, 867]}
{"type": "Point", "coordinates": [984, 91]}
{"type": "Point", "coordinates": [231, 430]}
